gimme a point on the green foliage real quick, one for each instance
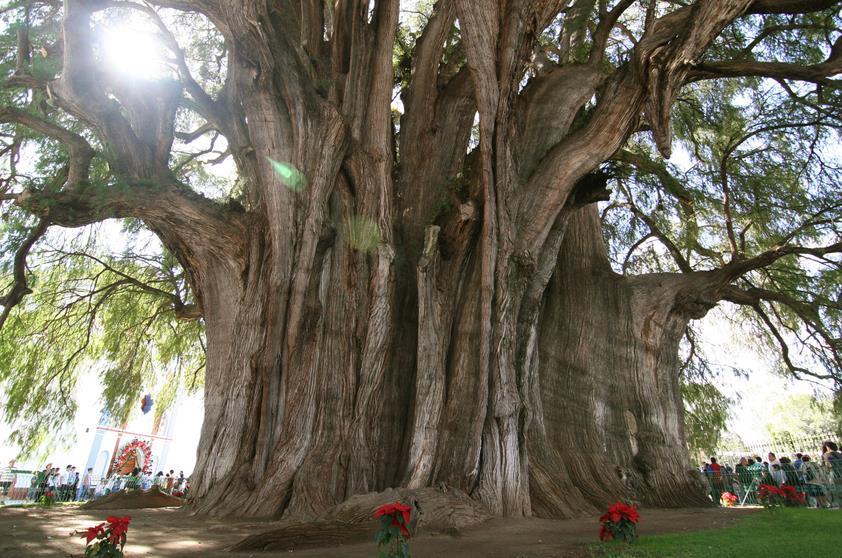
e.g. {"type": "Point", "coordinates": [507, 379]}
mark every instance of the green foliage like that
{"type": "Point", "coordinates": [754, 168]}
{"type": "Point", "coordinates": [799, 416]}
{"type": "Point", "coordinates": [705, 416]}
{"type": "Point", "coordinates": [98, 311]}
{"type": "Point", "coordinates": [790, 532]}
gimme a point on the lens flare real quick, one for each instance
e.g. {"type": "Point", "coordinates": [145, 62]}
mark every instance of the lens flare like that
{"type": "Point", "coordinates": [291, 177]}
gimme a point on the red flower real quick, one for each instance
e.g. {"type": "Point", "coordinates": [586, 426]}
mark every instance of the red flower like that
{"type": "Point", "coordinates": [93, 532]}
{"type": "Point", "coordinates": [393, 510]}
{"type": "Point", "coordinates": [605, 534]}
{"type": "Point", "coordinates": [396, 510]}
{"type": "Point", "coordinates": [620, 511]}
{"type": "Point", "coordinates": [118, 527]}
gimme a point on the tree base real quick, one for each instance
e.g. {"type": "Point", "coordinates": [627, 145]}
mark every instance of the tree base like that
{"type": "Point", "coordinates": [437, 510]}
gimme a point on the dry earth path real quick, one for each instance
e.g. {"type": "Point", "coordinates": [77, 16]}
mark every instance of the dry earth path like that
{"type": "Point", "coordinates": [34, 532]}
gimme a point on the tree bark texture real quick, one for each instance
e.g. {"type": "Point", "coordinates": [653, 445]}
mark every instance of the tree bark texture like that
{"type": "Point", "coordinates": [441, 355]}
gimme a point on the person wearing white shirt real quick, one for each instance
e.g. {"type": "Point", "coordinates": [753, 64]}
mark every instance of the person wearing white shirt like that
{"type": "Point", "coordinates": [52, 479]}
{"type": "Point", "coordinates": [85, 485]}
{"type": "Point", "coordinates": [775, 469]}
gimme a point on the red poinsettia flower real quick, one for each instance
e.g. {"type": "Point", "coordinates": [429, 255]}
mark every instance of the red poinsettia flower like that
{"type": "Point", "coordinates": [118, 526]}
{"type": "Point", "coordinates": [620, 511]}
{"type": "Point", "coordinates": [93, 532]}
{"type": "Point", "coordinates": [605, 534]}
{"type": "Point", "coordinates": [395, 510]}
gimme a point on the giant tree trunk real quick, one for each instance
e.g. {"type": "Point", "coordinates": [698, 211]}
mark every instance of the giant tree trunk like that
{"type": "Point", "coordinates": [440, 355]}
{"type": "Point", "coordinates": [480, 340]}
{"type": "Point", "coordinates": [382, 386]}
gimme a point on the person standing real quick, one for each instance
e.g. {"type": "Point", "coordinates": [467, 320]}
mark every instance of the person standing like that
{"type": "Point", "coordinates": [72, 480]}
{"type": "Point", "coordinates": [775, 469]}
{"type": "Point", "coordinates": [715, 477]}
{"type": "Point", "coordinates": [815, 482]}
{"type": "Point", "coordinates": [62, 484]}
{"type": "Point", "coordinates": [832, 460]}
{"type": "Point", "coordinates": [52, 481]}
{"type": "Point", "coordinates": [85, 485]}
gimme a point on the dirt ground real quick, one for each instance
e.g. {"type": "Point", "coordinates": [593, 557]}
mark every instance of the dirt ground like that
{"type": "Point", "coordinates": [35, 532]}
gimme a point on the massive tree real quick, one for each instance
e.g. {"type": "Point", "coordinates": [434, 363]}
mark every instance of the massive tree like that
{"type": "Point", "coordinates": [408, 283]}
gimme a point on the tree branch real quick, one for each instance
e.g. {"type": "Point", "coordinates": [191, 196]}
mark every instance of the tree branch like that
{"type": "Point", "coordinates": [738, 268]}
{"type": "Point", "coordinates": [603, 31]}
{"type": "Point", "coordinates": [19, 287]}
{"type": "Point", "coordinates": [815, 73]}
{"type": "Point", "coordinates": [78, 148]}
{"type": "Point", "coordinates": [789, 6]}
{"type": "Point", "coordinates": [182, 310]}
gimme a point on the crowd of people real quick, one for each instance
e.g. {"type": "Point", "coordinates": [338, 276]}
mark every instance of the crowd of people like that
{"type": "Point", "coordinates": [177, 485]}
{"type": "Point", "coordinates": [68, 484]}
{"type": "Point", "coordinates": [819, 479]}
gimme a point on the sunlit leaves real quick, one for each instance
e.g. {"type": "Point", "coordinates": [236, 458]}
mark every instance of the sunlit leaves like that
{"type": "Point", "coordinates": [85, 314]}
{"type": "Point", "coordinates": [705, 415]}
{"type": "Point", "coordinates": [361, 233]}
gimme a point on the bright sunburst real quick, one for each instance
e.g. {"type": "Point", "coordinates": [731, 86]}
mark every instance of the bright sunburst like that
{"type": "Point", "coordinates": [132, 51]}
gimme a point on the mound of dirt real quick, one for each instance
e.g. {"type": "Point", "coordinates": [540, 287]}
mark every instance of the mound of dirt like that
{"type": "Point", "coordinates": [134, 499]}
{"type": "Point", "coordinates": [436, 510]}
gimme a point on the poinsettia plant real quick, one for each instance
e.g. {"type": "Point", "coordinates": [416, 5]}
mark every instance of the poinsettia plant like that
{"type": "Point", "coordinates": [728, 499]}
{"type": "Point", "coordinates": [392, 536]}
{"type": "Point", "coordinates": [48, 499]}
{"type": "Point", "coordinates": [772, 496]}
{"type": "Point", "coordinates": [107, 539]}
{"type": "Point", "coordinates": [620, 523]}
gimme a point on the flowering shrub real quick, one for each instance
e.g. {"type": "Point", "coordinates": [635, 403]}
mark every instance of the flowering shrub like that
{"type": "Point", "coordinates": [108, 538]}
{"type": "Point", "coordinates": [619, 523]}
{"type": "Point", "coordinates": [728, 499]}
{"type": "Point", "coordinates": [48, 499]}
{"type": "Point", "coordinates": [392, 537]}
{"type": "Point", "coordinates": [772, 496]}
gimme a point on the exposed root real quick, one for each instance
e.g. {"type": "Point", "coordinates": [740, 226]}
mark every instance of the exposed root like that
{"type": "Point", "coordinates": [440, 510]}
{"type": "Point", "coordinates": [134, 499]}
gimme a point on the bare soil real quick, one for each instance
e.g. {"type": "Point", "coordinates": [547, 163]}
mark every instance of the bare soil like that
{"type": "Point", "coordinates": [33, 532]}
{"type": "Point", "coordinates": [134, 499]}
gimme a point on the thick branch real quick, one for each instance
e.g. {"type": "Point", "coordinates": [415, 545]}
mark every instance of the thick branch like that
{"type": "Point", "coordinates": [19, 287]}
{"type": "Point", "coordinates": [790, 6]}
{"type": "Point", "coordinates": [603, 30]}
{"type": "Point", "coordinates": [77, 147]}
{"type": "Point", "coordinates": [740, 267]}
{"type": "Point", "coordinates": [816, 73]}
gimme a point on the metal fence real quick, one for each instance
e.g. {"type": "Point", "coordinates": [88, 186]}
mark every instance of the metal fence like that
{"type": "Point", "coordinates": [23, 487]}
{"type": "Point", "coordinates": [821, 485]}
{"type": "Point", "coordinates": [784, 443]}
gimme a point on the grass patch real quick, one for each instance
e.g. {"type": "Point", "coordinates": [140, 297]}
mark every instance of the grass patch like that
{"type": "Point", "coordinates": [784, 532]}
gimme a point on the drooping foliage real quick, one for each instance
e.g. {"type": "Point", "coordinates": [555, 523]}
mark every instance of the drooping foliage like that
{"type": "Point", "coordinates": [113, 315]}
